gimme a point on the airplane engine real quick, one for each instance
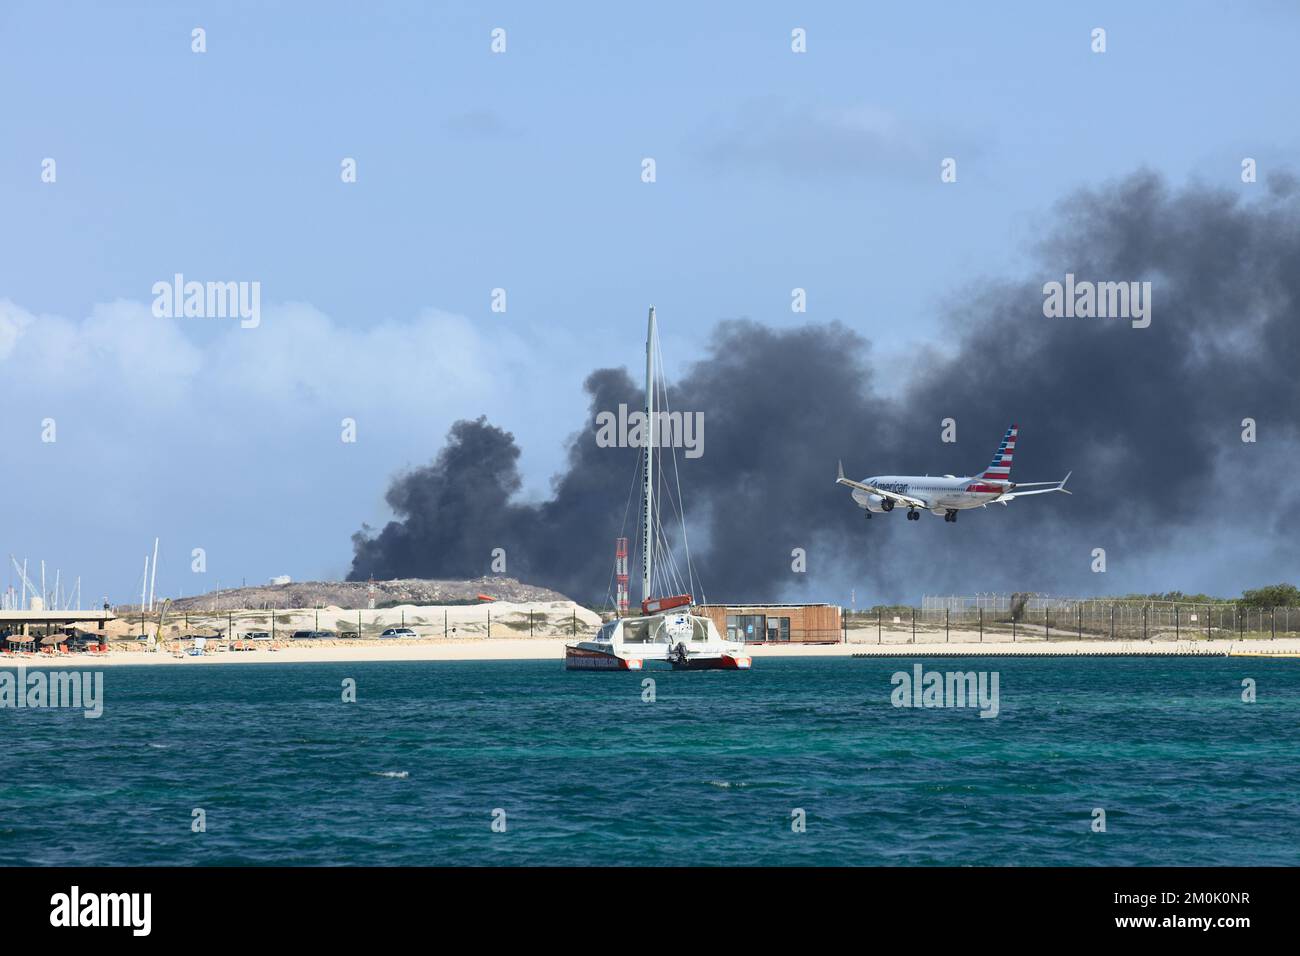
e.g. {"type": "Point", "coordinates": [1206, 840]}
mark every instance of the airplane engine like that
{"type": "Point", "coordinates": [878, 504]}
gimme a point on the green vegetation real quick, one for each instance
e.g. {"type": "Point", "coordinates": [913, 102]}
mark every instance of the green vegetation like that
{"type": "Point", "coordinates": [1274, 595]}
{"type": "Point", "coordinates": [1170, 597]}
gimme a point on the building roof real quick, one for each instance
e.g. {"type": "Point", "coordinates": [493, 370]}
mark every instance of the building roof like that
{"type": "Point", "coordinates": [55, 617]}
{"type": "Point", "coordinates": [762, 604]}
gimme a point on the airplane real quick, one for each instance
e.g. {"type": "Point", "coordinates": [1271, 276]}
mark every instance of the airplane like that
{"type": "Point", "coordinates": [948, 495]}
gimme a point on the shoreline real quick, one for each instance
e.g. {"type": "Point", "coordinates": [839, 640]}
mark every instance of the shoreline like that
{"type": "Point", "coordinates": [550, 648]}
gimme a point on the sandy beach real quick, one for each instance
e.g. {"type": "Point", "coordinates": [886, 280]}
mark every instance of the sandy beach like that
{"type": "Point", "coordinates": [549, 648]}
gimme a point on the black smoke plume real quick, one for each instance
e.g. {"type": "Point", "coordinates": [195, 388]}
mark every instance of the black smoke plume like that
{"type": "Point", "coordinates": [1149, 421]}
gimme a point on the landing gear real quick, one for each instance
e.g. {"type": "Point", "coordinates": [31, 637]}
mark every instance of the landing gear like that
{"type": "Point", "coordinates": [867, 515]}
{"type": "Point", "coordinates": [913, 515]}
{"type": "Point", "coordinates": [950, 515]}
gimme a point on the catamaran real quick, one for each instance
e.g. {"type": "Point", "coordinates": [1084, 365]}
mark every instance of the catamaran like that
{"type": "Point", "coordinates": [666, 630]}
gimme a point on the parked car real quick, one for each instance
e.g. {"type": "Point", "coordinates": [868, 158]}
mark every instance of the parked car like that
{"type": "Point", "coordinates": [349, 635]}
{"type": "Point", "coordinates": [398, 632]}
{"type": "Point", "coordinates": [314, 635]}
{"type": "Point", "coordinates": [257, 635]}
{"type": "Point", "coordinates": [302, 635]}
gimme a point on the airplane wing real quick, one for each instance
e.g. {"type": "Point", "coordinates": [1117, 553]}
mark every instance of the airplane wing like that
{"type": "Point", "coordinates": [1054, 486]}
{"type": "Point", "coordinates": [872, 489]}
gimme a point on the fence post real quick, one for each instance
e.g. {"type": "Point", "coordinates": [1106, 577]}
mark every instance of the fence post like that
{"type": "Point", "coordinates": [1013, 627]}
{"type": "Point", "coordinates": [489, 610]}
{"type": "Point", "coordinates": [1112, 622]}
{"type": "Point", "coordinates": [1207, 622]}
{"type": "Point", "coordinates": [879, 637]}
{"type": "Point", "coordinates": [530, 622]}
{"type": "Point", "coordinates": [981, 625]}
{"type": "Point", "coordinates": [1080, 622]}
{"type": "Point", "coordinates": [1176, 633]}
{"type": "Point", "coordinates": [913, 625]}
{"type": "Point", "coordinates": [575, 622]}
{"type": "Point", "coordinates": [1047, 622]}
{"type": "Point", "coordinates": [1144, 622]}
{"type": "Point", "coordinates": [1272, 622]}
{"type": "Point", "coordinates": [444, 623]}
{"type": "Point", "coordinates": [945, 625]}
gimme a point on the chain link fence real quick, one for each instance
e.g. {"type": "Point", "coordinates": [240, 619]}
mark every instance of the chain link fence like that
{"type": "Point", "coordinates": [1038, 618]}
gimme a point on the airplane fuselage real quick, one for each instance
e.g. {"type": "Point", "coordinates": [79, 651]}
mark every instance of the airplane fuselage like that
{"type": "Point", "coordinates": [947, 494]}
{"type": "Point", "coordinates": [940, 494]}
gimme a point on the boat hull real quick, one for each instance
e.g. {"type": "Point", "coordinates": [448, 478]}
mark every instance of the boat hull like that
{"type": "Point", "coordinates": [724, 662]}
{"type": "Point", "coordinates": [588, 659]}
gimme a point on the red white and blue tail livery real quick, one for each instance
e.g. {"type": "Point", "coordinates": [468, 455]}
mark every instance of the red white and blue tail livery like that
{"type": "Point", "coordinates": [948, 494]}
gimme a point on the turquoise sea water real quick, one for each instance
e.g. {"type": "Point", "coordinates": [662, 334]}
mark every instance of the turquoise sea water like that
{"type": "Point", "coordinates": [709, 773]}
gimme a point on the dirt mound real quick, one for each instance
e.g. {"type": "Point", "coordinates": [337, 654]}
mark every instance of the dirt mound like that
{"type": "Point", "coordinates": [358, 594]}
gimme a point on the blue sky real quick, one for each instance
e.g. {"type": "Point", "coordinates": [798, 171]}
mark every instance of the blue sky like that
{"type": "Point", "coordinates": [520, 171]}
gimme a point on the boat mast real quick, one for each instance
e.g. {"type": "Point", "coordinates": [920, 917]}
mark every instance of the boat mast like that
{"type": "Point", "coordinates": [648, 485]}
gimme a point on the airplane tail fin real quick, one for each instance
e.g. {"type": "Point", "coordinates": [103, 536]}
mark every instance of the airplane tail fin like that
{"type": "Point", "coordinates": [1000, 467]}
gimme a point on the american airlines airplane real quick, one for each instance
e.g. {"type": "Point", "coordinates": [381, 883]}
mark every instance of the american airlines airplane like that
{"type": "Point", "coordinates": [948, 495]}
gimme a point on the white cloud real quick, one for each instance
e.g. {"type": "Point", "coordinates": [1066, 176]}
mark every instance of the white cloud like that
{"type": "Point", "coordinates": [212, 435]}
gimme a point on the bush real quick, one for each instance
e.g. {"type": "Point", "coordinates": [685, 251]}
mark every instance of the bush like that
{"type": "Point", "coordinates": [1274, 595]}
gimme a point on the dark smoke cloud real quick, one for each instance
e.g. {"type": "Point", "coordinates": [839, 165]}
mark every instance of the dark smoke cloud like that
{"type": "Point", "coordinates": [1149, 420]}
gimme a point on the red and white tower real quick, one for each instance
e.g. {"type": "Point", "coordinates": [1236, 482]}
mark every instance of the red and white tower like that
{"type": "Point", "coordinates": [620, 574]}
